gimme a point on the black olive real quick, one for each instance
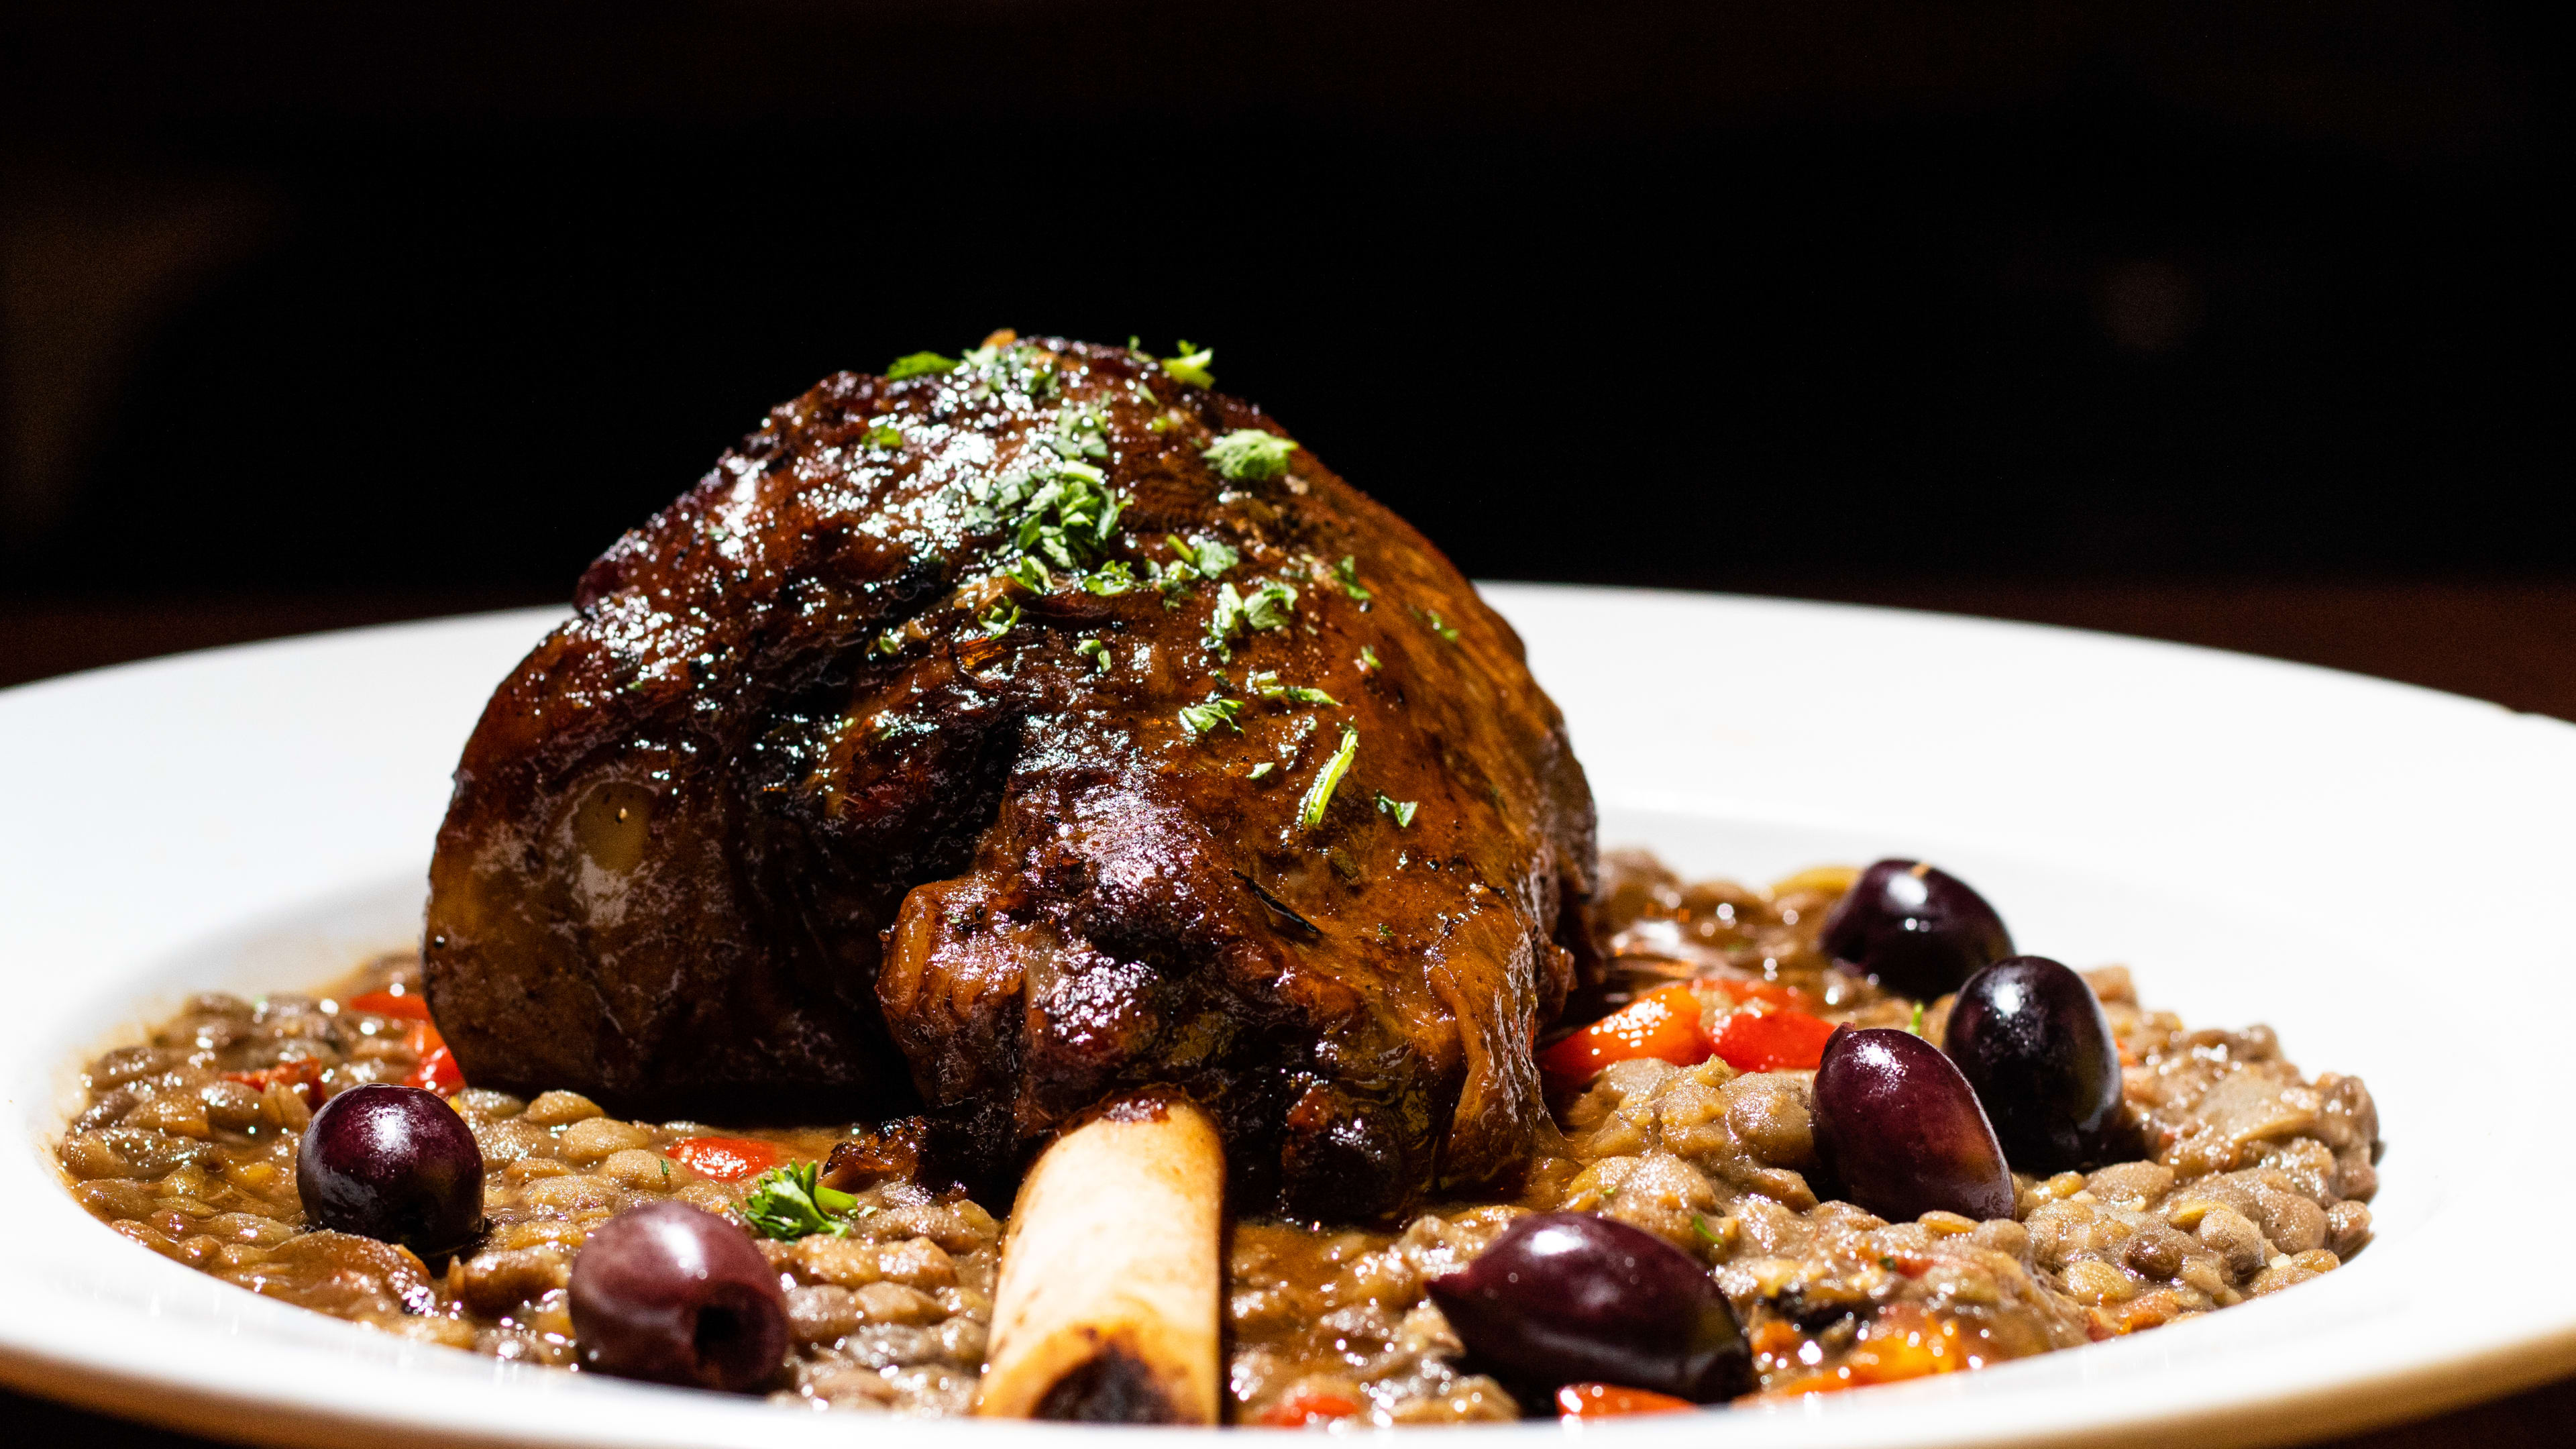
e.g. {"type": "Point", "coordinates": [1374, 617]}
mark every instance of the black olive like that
{"type": "Point", "coordinates": [1913, 929]}
{"type": "Point", "coordinates": [1572, 1298]}
{"type": "Point", "coordinates": [1901, 1129]}
{"type": "Point", "coordinates": [2029, 1035]}
{"type": "Point", "coordinates": [676, 1295]}
{"type": "Point", "coordinates": [392, 1163]}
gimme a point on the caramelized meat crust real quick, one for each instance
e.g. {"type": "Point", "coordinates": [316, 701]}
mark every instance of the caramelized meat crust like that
{"type": "Point", "coordinates": [926, 756]}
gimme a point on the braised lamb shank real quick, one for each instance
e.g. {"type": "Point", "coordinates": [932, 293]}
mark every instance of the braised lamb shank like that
{"type": "Point", "coordinates": [989, 740]}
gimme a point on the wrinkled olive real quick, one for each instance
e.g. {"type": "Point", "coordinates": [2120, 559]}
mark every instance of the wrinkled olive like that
{"type": "Point", "coordinates": [1901, 1129]}
{"type": "Point", "coordinates": [1569, 1298]}
{"type": "Point", "coordinates": [2029, 1035]}
{"type": "Point", "coordinates": [1913, 929]}
{"type": "Point", "coordinates": [677, 1295]}
{"type": "Point", "coordinates": [392, 1163]}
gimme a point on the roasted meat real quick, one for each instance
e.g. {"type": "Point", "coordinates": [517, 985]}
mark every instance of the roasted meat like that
{"type": "Point", "coordinates": [983, 741]}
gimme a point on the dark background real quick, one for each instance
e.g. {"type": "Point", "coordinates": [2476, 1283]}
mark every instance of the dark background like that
{"type": "Point", "coordinates": [424, 304]}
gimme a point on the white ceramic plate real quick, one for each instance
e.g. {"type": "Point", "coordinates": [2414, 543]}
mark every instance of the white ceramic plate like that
{"type": "Point", "coordinates": [2378, 871]}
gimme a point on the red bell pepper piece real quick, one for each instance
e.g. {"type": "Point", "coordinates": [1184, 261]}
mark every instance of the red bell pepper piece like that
{"type": "Point", "coordinates": [388, 1003]}
{"type": "Point", "coordinates": [1773, 1041]}
{"type": "Point", "coordinates": [1308, 1406]}
{"type": "Point", "coordinates": [726, 1159]}
{"type": "Point", "coordinates": [1663, 1023]}
{"type": "Point", "coordinates": [1601, 1401]}
{"type": "Point", "coordinates": [303, 1076]}
{"type": "Point", "coordinates": [434, 1066]}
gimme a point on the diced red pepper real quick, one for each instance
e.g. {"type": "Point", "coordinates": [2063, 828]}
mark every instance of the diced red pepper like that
{"type": "Point", "coordinates": [302, 1076]}
{"type": "Point", "coordinates": [1663, 1023]}
{"type": "Point", "coordinates": [726, 1159]}
{"type": "Point", "coordinates": [433, 1065]}
{"type": "Point", "coordinates": [1308, 1406]}
{"type": "Point", "coordinates": [1602, 1401]}
{"type": "Point", "coordinates": [1773, 1041]}
{"type": "Point", "coordinates": [388, 1003]}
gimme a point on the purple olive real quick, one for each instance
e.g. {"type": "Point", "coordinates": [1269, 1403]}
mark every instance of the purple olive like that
{"type": "Point", "coordinates": [392, 1163]}
{"type": "Point", "coordinates": [1915, 930]}
{"type": "Point", "coordinates": [1569, 1297]}
{"type": "Point", "coordinates": [1902, 1129]}
{"type": "Point", "coordinates": [677, 1295]}
{"type": "Point", "coordinates": [2030, 1037]}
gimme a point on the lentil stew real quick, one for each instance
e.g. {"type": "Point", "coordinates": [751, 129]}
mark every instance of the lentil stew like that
{"type": "Point", "coordinates": [1689, 1109]}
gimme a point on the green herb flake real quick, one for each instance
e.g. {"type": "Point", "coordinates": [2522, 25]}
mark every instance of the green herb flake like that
{"type": "Point", "coordinates": [1700, 1225]}
{"type": "Point", "coordinates": [1916, 1025]}
{"type": "Point", "coordinates": [1192, 365]}
{"type": "Point", "coordinates": [790, 1202]}
{"type": "Point", "coordinates": [1269, 605]}
{"type": "Point", "coordinates": [918, 364]}
{"type": "Point", "coordinates": [1096, 652]}
{"type": "Point", "coordinates": [1265, 684]}
{"type": "Point", "coordinates": [1402, 810]}
{"type": "Point", "coordinates": [1258, 771]}
{"type": "Point", "coordinates": [1224, 622]}
{"type": "Point", "coordinates": [1031, 575]}
{"type": "Point", "coordinates": [1348, 571]}
{"type": "Point", "coordinates": [1200, 719]}
{"type": "Point", "coordinates": [1208, 558]}
{"type": "Point", "coordinates": [1249, 455]}
{"type": "Point", "coordinates": [1110, 579]}
{"type": "Point", "coordinates": [1437, 625]}
{"type": "Point", "coordinates": [1368, 659]}
{"type": "Point", "coordinates": [1310, 810]}
{"type": "Point", "coordinates": [1000, 619]}
{"type": "Point", "coordinates": [884, 435]}
{"type": "Point", "coordinates": [1385, 932]}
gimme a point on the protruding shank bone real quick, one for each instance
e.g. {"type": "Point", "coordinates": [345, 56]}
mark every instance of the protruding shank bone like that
{"type": "Point", "coordinates": [1107, 1308]}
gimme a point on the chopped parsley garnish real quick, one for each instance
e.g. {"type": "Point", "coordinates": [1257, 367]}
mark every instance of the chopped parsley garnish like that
{"type": "Point", "coordinates": [1205, 559]}
{"type": "Point", "coordinates": [791, 1202]}
{"type": "Point", "coordinates": [1209, 557]}
{"type": "Point", "coordinates": [1257, 771]}
{"type": "Point", "coordinates": [1110, 579]}
{"type": "Point", "coordinates": [1096, 652]}
{"type": "Point", "coordinates": [1249, 455]}
{"type": "Point", "coordinates": [1385, 932]}
{"type": "Point", "coordinates": [1071, 515]}
{"type": "Point", "coordinates": [1368, 658]}
{"type": "Point", "coordinates": [1432, 618]}
{"type": "Point", "coordinates": [1916, 1025]}
{"type": "Point", "coordinates": [884, 435]}
{"type": "Point", "coordinates": [1699, 1224]}
{"type": "Point", "coordinates": [889, 642]}
{"type": "Point", "coordinates": [1199, 719]}
{"type": "Point", "coordinates": [1348, 571]}
{"type": "Point", "coordinates": [918, 364]}
{"type": "Point", "coordinates": [999, 619]}
{"type": "Point", "coordinates": [1061, 510]}
{"type": "Point", "coordinates": [1268, 607]}
{"type": "Point", "coordinates": [1310, 810]}
{"type": "Point", "coordinates": [1080, 433]}
{"type": "Point", "coordinates": [1402, 810]}
{"type": "Point", "coordinates": [1192, 365]}
{"type": "Point", "coordinates": [1265, 684]}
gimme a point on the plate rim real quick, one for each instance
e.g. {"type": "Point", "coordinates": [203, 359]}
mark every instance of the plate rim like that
{"type": "Point", "coordinates": [2427, 1385]}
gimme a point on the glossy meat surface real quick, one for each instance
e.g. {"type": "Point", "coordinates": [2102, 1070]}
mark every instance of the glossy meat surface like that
{"type": "Point", "coordinates": [906, 763]}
